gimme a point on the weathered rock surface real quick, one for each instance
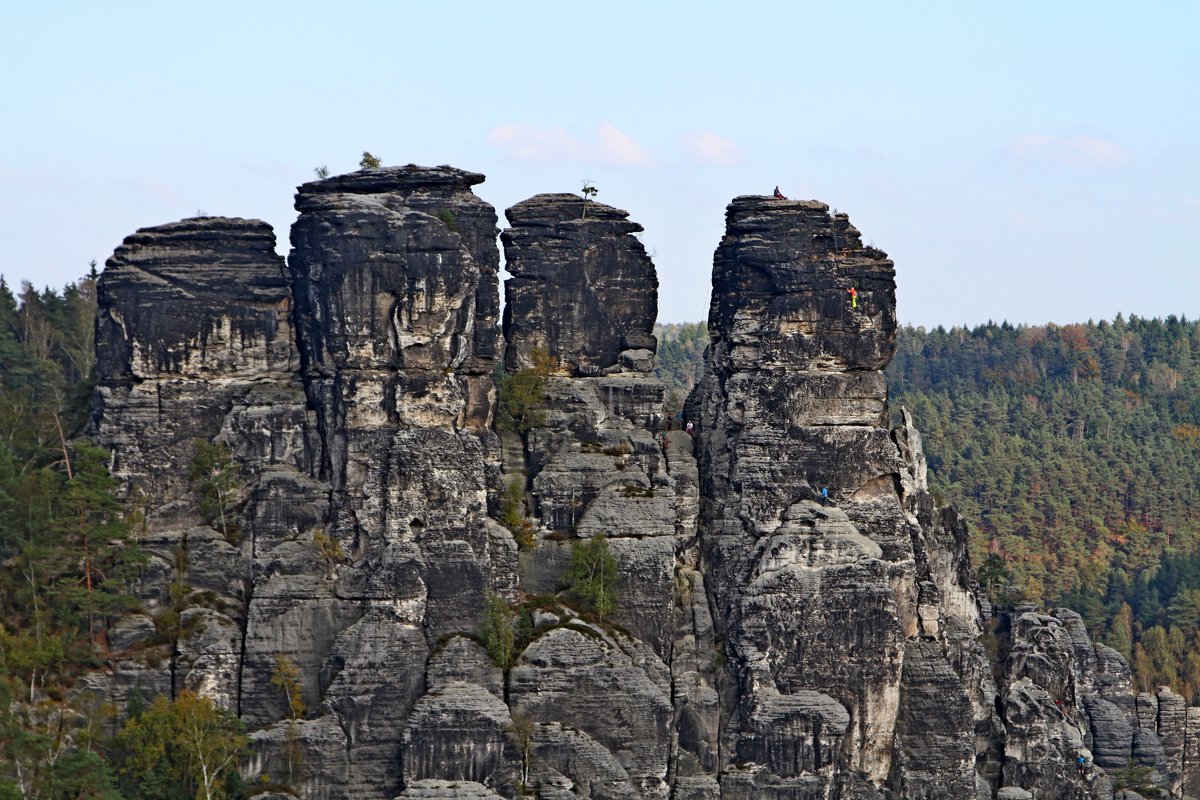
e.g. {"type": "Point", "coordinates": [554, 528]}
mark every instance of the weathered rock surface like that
{"type": "Point", "coordinates": [195, 342]}
{"type": "Point", "coordinates": [583, 287]}
{"type": "Point", "coordinates": [768, 642]}
{"type": "Point", "coordinates": [388, 269]}
{"type": "Point", "coordinates": [1066, 697]}
{"type": "Point", "coordinates": [837, 599]}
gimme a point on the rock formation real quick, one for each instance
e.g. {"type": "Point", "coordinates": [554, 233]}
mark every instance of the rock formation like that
{"type": "Point", "coordinates": [796, 618]}
{"type": "Point", "coordinates": [849, 621]}
{"type": "Point", "coordinates": [583, 287]}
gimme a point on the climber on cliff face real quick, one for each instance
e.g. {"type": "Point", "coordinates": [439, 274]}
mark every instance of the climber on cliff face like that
{"type": "Point", "coordinates": [853, 297]}
{"type": "Point", "coordinates": [779, 194]}
{"type": "Point", "coordinates": [1081, 765]}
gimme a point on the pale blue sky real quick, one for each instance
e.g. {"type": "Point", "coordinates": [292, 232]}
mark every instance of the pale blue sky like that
{"type": "Point", "coordinates": [1030, 161]}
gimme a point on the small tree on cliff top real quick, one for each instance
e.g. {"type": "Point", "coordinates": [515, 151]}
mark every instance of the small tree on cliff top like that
{"type": "Point", "coordinates": [370, 161]}
{"type": "Point", "coordinates": [589, 193]}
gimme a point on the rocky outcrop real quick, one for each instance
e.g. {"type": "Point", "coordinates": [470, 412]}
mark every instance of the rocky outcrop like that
{"type": "Point", "coordinates": [195, 345]}
{"type": "Point", "coordinates": [583, 288]}
{"type": "Point", "coordinates": [795, 618]}
{"type": "Point", "coordinates": [1065, 698]}
{"type": "Point", "coordinates": [828, 584]}
{"type": "Point", "coordinates": [388, 267]}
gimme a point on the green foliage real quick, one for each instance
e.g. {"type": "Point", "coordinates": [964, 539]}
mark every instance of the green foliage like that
{"type": "Point", "coordinates": [69, 561]}
{"type": "Point", "coordinates": [48, 746]}
{"type": "Point", "coordinates": [215, 482]}
{"type": "Point", "coordinates": [591, 575]}
{"type": "Point", "coordinates": [589, 193]}
{"type": "Point", "coordinates": [186, 748]}
{"type": "Point", "coordinates": [512, 514]}
{"type": "Point", "coordinates": [370, 161]}
{"type": "Point", "coordinates": [496, 631]}
{"type": "Point", "coordinates": [1136, 779]}
{"type": "Point", "coordinates": [994, 575]}
{"type": "Point", "coordinates": [679, 362]}
{"type": "Point", "coordinates": [1073, 451]}
{"type": "Point", "coordinates": [522, 395]}
{"type": "Point", "coordinates": [448, 219]}
{"type": "Point", "coordinates": [322, 172]}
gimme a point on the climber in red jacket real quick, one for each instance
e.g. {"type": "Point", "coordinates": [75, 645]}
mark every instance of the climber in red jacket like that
{"type": "Point", "coordinates": [853, 297]}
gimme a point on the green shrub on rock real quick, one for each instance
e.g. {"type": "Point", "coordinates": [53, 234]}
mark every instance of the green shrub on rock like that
{"type": "Point", "coordinates": [496, 631]}
{"type": "Point", "coordinates": [592, 575]}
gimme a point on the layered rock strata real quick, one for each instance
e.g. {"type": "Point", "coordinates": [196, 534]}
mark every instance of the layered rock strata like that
{"type": "Point", "coordinates": [795, 618]}
{"type": "Point", "coordinates": [601, 464]}
{"type": "Point", "coordinates": [195, 345]}
{"type": "Point", "coordinates": [397, 348]}
{"type": "Point", "coordinates": [583, 288]}
{"type": "Point", "coordinates": [849, 622]}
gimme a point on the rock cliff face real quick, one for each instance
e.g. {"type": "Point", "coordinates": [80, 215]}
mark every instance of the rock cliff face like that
{"type": "Point", "coordinates": [583, 287]}
{"type": "Point", "coordinates": [195, 342]}
{"type": "Point", "coordinates": [796, 619]}
{"type": "Point", "coordinates": [849, 622]}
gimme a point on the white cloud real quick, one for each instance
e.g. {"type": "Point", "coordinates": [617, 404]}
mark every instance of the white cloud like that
{"type": "Point", "coordinates": [706, 147]}
{"type": "Point", "coordinates": [531, 143]}
{"type": "Point", "coordinates": [609, 145]}
{"type": "Point", "coordinates": [614, 146]}
{"type": "Point", "coordinates": [1076, 151]}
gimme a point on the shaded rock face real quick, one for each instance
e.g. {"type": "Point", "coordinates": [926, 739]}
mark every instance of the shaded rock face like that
{"type": "Point", "coordinates": [583, 288]}
{"type": "Point", "coordinates": [856, 610]}
{"type": "Point", "coordinates": [768, 641]}
{"type": "Point", "coordinates": [195, 342]}
{"type": "Point", "coordinates": [388, 268]}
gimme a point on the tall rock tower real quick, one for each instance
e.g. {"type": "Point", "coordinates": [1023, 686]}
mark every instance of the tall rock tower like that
{"type": "Point", "coordinates": [394, 277]}
{"type": "Point", "coordinates": [840, 610]}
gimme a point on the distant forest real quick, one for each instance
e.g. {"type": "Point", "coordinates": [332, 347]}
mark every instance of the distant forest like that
{"type": "Point", "coordinates": [1074, 452]}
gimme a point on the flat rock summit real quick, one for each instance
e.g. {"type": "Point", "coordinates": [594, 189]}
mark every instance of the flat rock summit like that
{"type": "Point", "coordinates": [795, 618]}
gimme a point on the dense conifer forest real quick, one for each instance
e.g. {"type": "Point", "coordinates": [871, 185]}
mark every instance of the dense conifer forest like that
{"type": "Point", "coordinates": [1073, 451]}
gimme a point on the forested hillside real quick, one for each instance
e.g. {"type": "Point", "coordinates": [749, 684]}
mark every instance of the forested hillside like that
{"type": "Point", "coordinates": [680, 358]}
{"type": "Point", "coordinates": [70, 558]}
{"type": "Point", "coordinates": [1074, 452]}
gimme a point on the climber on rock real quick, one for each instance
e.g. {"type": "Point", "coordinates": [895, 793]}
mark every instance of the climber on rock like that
{"type": "Point", "coordinates": [1081, 765]}
{"type": "Point", "coordinates": [853, 297]}
{"type": "Point", "coordinates": [779, 194]}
